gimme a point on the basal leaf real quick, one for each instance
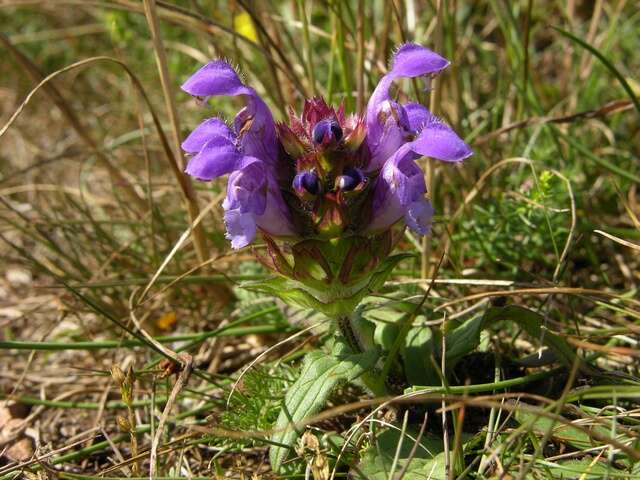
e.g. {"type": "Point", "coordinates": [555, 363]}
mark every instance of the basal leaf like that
{"type": "Point", "coordinates": [321, 373]}
{"type": "Point", "coordinates": [463, 340]}
{"type": "Point", "coordinates": [428, 462]}
{"type": "Point", "coordinates": [416, 355]}
{"type": "Point", "coordinates": [533, 323]}
{"type": "Point", "coordinates": [423, 343]}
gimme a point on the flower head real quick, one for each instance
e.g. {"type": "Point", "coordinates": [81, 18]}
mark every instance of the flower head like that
{"type": "Point", "coordinates": [324, 176]}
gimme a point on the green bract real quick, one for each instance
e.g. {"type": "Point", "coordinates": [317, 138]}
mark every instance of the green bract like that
{"type": "Point", "coordinates": [330, 276]}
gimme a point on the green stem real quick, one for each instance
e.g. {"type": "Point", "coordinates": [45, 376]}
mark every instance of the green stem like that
{"type": "Point", "coordinates": [88, 345]}
{"type": "Point", "coordinates": [112, 405]}
{"type": "Point", "coordinates": [373, 379]}
{"type": "Point", "coordinates": [346, 330]}
{"type": "Point", "coordinates": [307, 46]}
{"type": "Point", "coordinates": [484, 387]}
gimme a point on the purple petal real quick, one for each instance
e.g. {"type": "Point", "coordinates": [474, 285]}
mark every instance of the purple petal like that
{"type": "Point", "coordinates": [212, 127]}
{"type": "Point", "coordinates": [404, 176]}
{"type": "Point", "coordinates": [256, 131]}
{"type": "Point", "coordinates": [400, 184]}
{"type": "Point", "coordinates": [254, 200]}
{"type": "Point", "coordinates": [215, 78]}
{"type": "Point", "coordinates": [418, 116]}
{"type": "Point", "coordinates": [411, 60]}
{"type": "Point", "coordinates": [241, 228]}
{"type": "Point", "coordinates": [247, 188]}
{"type": "Point", "coordinates": [276, 219]}
{"type": "Point", "coordinates": [394, 130]}
{"type": "Point", "coordinates": [418, 216]}
{"type": "Point", "coordinates": [217, 157]}
{"type": "Point", "coordinates": [438, 140]}
{"type": "Point", "coordinates": [254, 124]}
{"type": "Point", "coordinates": [387, 208]}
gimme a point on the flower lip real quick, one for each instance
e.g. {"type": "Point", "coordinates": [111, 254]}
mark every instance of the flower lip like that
{"type": "Point", "coordinates": [325, 128]}
{"type": "Point", "coordinates": [350, 179]}
{"type": "Point", "coordinates": [307, 182]}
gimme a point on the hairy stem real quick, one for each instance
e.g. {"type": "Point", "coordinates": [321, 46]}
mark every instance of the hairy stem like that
{"type": "Point", "coordinates": [347, 331]}
{"type": "Point", "coordinates": [373, 380]}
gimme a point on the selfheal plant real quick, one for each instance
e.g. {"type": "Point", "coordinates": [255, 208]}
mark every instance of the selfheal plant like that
{"type": "Point", "coordinates": [327, 188]}
{"type": "Point", "coordinates": [329, 192]}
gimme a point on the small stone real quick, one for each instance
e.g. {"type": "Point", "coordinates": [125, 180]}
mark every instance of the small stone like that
{"type": "Point", "coordinates": [18, 276]}
{"type": "Point", "coordinates": [20, 451]}
{"type": "Point", "coordinates": [10, 410]}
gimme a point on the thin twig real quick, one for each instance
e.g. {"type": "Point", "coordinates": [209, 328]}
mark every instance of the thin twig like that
{"type": "Point", "coordinates": [183, 377]}
{"type": "Point", "coordinates": [608, 108]}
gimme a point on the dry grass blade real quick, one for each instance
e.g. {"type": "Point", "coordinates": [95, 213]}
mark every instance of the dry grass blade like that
{"type": "Point", "coordinates": [56, 96]}
{"type": "Point", "coordinates": [360, 56]}
{"type": "Point", "coordinates": [609, 108]}
{"type": "Point", "coordinates": [183, 378]}
{"type": "Point", "coordinates": [199, 239]}
{"type": "Point", "coordinates": [540, 291]}
{"type": "Point", "coordinates": [414, 448]}
{"type": "Point", "coordinates": [183, 238]}
{"type": "Point", "coordinates": [288, 67]}
{"type": "Point", "coordinates": [435, 108]}
{"type": "Point", "coordinates": [487, 402]}
{"type": "Point", "coordinates": [45, 81]}
{"type": "Point", "coordinates": [621, 241]}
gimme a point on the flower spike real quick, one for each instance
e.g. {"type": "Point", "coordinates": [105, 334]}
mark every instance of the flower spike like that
{"type": "Point", "coordinates": [323, 186]}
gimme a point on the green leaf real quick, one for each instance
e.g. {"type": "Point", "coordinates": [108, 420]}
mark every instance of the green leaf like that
{"type": "Point", "coordinates": [384, 270]}
{"type": "Point", "coordinates": [533, 324]}
{"type": "Point", "coordinates": [321, 374]}
{"type": "Point", "coordinates": [385, 334]}
{"type": "Point", "coordinates": [428, 462]}
{"type": "Point", "coordinates": [559, 431]}
{"type": "Point", "coordinates": [584, 469]}
{"type": "Point", "coordinates": [416, 355]}
{"type": "Point", "coordinates": [422, 343]}
{"type": "Point", "coordinates": [463, 339]}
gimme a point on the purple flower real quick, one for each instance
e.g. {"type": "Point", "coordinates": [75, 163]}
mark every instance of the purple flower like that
{"type": "Point", "coordinates": [325, 174]}
{"type": "Point", "coordinates": [400, 193]}
{"type": "Point", "coordinates": [254, 200]}
{"type": "Point", "coordinates": [248, 152]}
